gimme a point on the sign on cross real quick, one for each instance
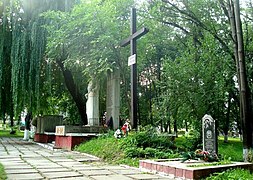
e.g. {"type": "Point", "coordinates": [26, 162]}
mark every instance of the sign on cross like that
{"type": "Point", "coordinates": [134, 35]}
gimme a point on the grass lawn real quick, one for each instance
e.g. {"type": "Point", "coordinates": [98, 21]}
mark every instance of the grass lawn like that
{"type": "Point", "coordinates": [108, 149]}
{"type": "Point", "coordinates": [233, 148]}
{"type": "Point", "coordinates": [6, 133]}
{"type": "Point", "coordinates": [2, 173]}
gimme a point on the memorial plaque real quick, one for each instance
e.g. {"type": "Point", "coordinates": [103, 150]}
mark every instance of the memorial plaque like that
{"type": "Point", "coordinates": [209, 134]}
{"type": "Point", "coordinates": [60, 131]}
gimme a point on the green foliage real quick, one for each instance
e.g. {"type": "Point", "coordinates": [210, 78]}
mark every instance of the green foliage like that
{"type": "Point", "coordinates": [189, 143]}
{"type": "Point", "coordinates": [129, 149]}
{"type": "Point", "coordinates": [2, 173]}
{"type": "Point", "coordinates": [232, 150]}
{"type": "Point", "coordinates": [233, 174]}
{"type": "Point", "coordinates": [148, 137]}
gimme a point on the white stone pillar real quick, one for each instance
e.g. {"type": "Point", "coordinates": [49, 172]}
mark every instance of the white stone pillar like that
{"type": "Point", "coordinates": [26, 135]}
{"type": "Point", "coordinates": [92, 104]}
{"type": "Point", "coordinates": [113, 97]}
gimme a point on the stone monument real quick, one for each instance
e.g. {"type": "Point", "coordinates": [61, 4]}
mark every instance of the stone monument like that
{"type": "Point", "coordinates": [209, 134]}
{"type": "Point", "coordinates": [92, 104]}
{"type": "Point", "coordinates": [113, 97]}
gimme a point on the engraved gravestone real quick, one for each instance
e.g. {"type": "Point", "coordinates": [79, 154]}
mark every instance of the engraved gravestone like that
{"type": "Point", "coordinates": [209, 134]}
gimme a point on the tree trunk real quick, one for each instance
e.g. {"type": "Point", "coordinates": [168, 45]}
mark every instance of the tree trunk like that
{"type": "Point", "coordinates": [226, 125]}
{"type": "Point", "coordinates": [245, 99]}
{"type": "Point", "coordinates": [75, 93]}
{"type": "Point", "coordinates": [175, 127]}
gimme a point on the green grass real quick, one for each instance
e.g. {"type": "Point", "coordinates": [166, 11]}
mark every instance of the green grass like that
{"type": "Point", "coordinates": [109, 150]}
{"type": "Point", "coordinates": [232, 174]}
{"type": "Point", "coordinates": [106, 148]}
{"type": "Point", "coordinates": [233, 148]}
{"type": "Point", "coordinates": [2, 173]}
{"type": "Point", "coordinates": [128, 150]}
{"type": "Point", "coordinates": [6, 133]}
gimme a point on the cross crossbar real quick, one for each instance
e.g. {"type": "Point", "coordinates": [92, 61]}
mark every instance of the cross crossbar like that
{"type": "Point", "coordinates": [136, 36]}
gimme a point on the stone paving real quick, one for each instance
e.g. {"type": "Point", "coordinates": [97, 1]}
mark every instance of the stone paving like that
{"type": "Point", "coordinates": [24, 160]}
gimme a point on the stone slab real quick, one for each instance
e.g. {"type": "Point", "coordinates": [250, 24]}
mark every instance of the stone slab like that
{"type": "Point", "coordinates": [45, 166]}
{"type": "Point", "coordinates": [90, 168]}
{"type": "Point", "coordinates": [47, 170]}
{"type": "Point", "coordinates": [62, 160]}
{"type": "Point", "coordinates": [96, 172]}
{"type": "Point", "coordinates": [110, 167]}
{"type": "Point", "coordinates": [18, 167]}
{"type": "Point", "coordinates": [31, 155]}
{"type": "Point", "coordinates": [69, 164]}
{"type": "Point", "coordinates": [111, 177]}
{"type": "Point", "coordinates": [13, 164]}
{"type": "Point", "coordinates": [20, 171]}
{"type": "Point", "coordinates": [52, 175]}
{"type": "Point", "coordinates": [76, 178]}
{"type": "Point", "coordinates": [125, 171]}
{"type": "Point", "coordinates": [18, 160]}
{"type": "Point", "coordinates": [79, 168]}
{"type": "Point", "coordinates": [48, 163]}
{"type": "Point", "coordinates": [8, 158]}
{"type": "Point", "coordinates": [144, 176]}
{"type": "Point", "coordinates": [34, 176]}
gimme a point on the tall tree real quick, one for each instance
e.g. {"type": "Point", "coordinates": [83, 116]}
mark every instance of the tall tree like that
{"type": "Point", "coordinates": [245, 98]}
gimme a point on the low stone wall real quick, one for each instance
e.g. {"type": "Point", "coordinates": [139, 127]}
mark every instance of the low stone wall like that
{"type": "Point", "coordinates": [176, 169]}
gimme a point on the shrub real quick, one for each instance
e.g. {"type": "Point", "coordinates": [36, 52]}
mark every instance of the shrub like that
{"type": "Point", "coordinates": [148, 138]}
{"type": "Point", "coordinates": [147, 144]}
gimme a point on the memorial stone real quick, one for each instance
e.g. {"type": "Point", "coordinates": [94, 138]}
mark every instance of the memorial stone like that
{"type": "Point", "coordinates": [113, 97]}
{"type": "Point", "coordinates": [47, 123]}
{"type": "Point", "coordinates": [209, 134]}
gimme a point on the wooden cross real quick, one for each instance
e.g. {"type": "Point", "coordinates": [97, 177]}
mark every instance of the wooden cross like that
{"type": "Point", "coordinates": [132, 41]}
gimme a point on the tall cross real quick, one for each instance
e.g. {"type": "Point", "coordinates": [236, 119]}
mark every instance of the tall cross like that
{"type": "Point", "coordinates": [134, 35]}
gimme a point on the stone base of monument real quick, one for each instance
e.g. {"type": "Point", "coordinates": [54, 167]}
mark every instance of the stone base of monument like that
{"type": "Point", "coordinates": [68, 136]}
{"type": "Point", "coordinates": [62, 130]}
{"type": "Point", "coordinates": [70, 140]}
{"type": "Point", "coordinates": [45, 127]}
{"type": "Point", "coordinates": [174, 168]}
{"type": "Point", "coordinates": [46, 137]}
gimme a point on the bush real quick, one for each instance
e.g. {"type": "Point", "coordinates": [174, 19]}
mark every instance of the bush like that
{"type": "Point", "coordinates": [147, 144]}
{"type": "Point", "coordinates": [128, 150]}
{"type": "Point", "coordinates": [190, 143]}
{"type": "Point", "coordinates": [148, 138]}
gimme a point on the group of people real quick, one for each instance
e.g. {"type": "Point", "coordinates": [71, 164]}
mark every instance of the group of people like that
{"type": "Point", "coordinates": [123, 132]}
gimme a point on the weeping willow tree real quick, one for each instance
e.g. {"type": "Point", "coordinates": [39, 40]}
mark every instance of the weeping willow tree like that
{"type": "Point", "coordinates": [26, 74]}
{"type": "Point", "coordinates": [41, 69]}
{"type": "Point", "coordinates": [6, 104]}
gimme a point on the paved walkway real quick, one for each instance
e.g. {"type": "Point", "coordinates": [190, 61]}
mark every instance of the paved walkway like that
{"type": "Point", "coordinates": [27, 160]}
